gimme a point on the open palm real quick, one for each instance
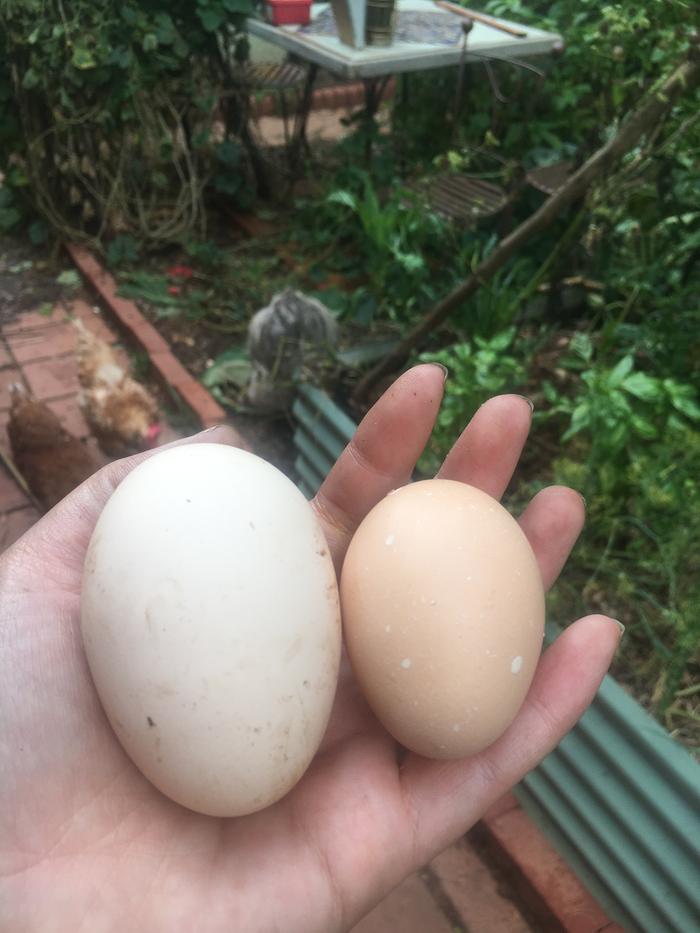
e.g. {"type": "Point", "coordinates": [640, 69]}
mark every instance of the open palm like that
{"type": "Point", "coordinates": [87, 843]}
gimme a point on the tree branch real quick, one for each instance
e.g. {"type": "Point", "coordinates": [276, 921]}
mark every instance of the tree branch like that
{"type": "Point", "coordinates": [640, 121]}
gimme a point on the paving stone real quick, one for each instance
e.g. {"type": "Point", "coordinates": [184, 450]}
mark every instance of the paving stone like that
{"type": "Point", "coordinates": [14, 524]}
{"type": "Point", "coordinates": [410, 908]}
{"type": "Point", "coordinates": [42, 342]}
{"type": "Point", "coordinates": [71, 417]}
{"type": "Point", "coordinates": [53, 378]}
{"type": "Point", "coordinates": [544, 875]}
{"type": "Point", "coordinates": [11, 496]}
{"type": "Point", "coordinates": [7, 376]}
{"type": "Point", "coordinates": [93, 318]}
{"type": "Point", "coordinates": [32, 319]}
{"type": "Point", "coordinates": [475, 893]}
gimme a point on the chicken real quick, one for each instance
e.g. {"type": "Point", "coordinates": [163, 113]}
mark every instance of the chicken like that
{"type": "Point", "coordinates": [122, 414]}
{"type": "Point", "coordinates": [51, 460]}
{"type": "Point", "coordinates": [292, 332]}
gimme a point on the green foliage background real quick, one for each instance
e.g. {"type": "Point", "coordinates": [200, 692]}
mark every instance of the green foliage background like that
{"type": "Point", "coordinates": [107, 109]}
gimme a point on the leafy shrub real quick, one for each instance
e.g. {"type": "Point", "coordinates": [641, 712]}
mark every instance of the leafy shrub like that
{"type": "Point", "coordinates": [107, 110]}
{"type": "Point", "coordinates": [478, 369]}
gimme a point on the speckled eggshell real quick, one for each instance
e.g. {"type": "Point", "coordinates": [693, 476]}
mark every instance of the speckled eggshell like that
{"type": "Point", "coordinates": [211, 624]}
{"type": "Point", "coordinates": [443, 616]}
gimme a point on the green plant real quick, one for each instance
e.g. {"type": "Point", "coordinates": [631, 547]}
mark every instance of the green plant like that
{"type": "Point", "coordinates": [123, 250]}
{"type": "Point", "coordinates": [618, 407]}
{"type": "Point", "coordinates": [477, 369]}
{"type": "Point", "coordinates": [638, 559]}
{"type": "Point", "coordinates": [396, 238]}
{"type": "Point", "coordinates": [107, 111]}
{"type": "Point", "coordinates": [166, 299]}
{"type": "Point", "coordinates": [228, 375]}
{"type": "Point", "coordinates": [629, 442]}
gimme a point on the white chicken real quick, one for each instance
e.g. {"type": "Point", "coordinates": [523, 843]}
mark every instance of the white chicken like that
{"type": "Point", "coordinates": [294, 330]}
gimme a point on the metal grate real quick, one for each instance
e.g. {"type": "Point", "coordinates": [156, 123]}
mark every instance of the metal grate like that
{"type": "Point", "coordinates": [550, 178]}
{"type": "Point", "coordinates": [463, 198]}
{"type": "Point", "coordinates": [270, 76]}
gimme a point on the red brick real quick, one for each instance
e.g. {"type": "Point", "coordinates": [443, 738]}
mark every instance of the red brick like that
{"type": "Point", "coordinates": [7, 377]}
{"type": "Point", "coordinates": [474, 892]}
{"type": "Point", "coordinates": [170, 368]}
{"type": "Point", "coordinates": [502, 805]}
{"type": "Point", "coordinates": [148, 336]}
{"type": "Point", "coordinates": [54, 378]}
{"type": "Point", "coordinates": [125, 310]}
{"type": "Point", "coordinates": [71, 417]}
{"type": "Point", "coordinates": [14, 524]}
{"type": "Point", "coordinates": [408, 909]}
{"type": "Point", "coordinates": [202, 404]}
{"type": "Point", "coordinates": [11, 496]}
{"type": "Point", "coordinates": [42, 342]}
{"type": "Point", "coordinates": [93, 318]}
{"type": "Point", "coordinates": [551, 886]}
{"type": "Point", "coordinates": [5, 358]}
{"type": "Point", "coordinates": [31, 319]}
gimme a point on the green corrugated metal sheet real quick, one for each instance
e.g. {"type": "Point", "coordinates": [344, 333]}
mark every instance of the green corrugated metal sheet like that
{"type": "Point", "coordinates": [619, 797]}
{"type": "Point", "coordinates": [322, 432]}
{"type": "Point", "coordinates": [621, 801]}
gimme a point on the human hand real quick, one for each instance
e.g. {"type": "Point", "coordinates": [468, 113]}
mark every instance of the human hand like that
{"type": "Point", "coordinates": [87, 841]}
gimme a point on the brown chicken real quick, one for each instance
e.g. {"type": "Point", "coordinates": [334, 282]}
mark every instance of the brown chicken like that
{"type": "Point", "coordinates": [122, 414]}
{"type": "Point", "coordinates": [51, 460]}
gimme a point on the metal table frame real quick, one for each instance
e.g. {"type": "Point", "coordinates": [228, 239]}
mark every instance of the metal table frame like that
{"type": "Point", "coordinates": [375, 65]}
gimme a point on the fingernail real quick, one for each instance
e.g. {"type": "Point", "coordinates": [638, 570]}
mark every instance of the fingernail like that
{"type": "Point", "coordinates": [529, 401]}
{"type": "Point", "coordinates": [620, 626]}
{"type": "Point", "coordinates": [445, 370]}
{"type": "Point", "coordinates": [582, 498]}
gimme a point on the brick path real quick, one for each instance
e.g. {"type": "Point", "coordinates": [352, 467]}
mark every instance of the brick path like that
{"type": "Point", "coordinates": [38, 351]}
{"type": "Point", "coordinates": [455, 893]}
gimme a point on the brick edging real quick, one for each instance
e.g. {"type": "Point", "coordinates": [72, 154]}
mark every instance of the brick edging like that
{"type": "Point", "coordinates": [548, 888]}
{"type": "Point", "coordinates": [170, 369]}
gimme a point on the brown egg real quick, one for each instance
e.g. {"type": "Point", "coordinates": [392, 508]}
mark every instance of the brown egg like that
{"type": "Point", "coordinates": [443, 615]}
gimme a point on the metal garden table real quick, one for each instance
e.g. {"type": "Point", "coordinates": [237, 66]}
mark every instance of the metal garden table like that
{"type": "Point", "coordinates": [428, 35]}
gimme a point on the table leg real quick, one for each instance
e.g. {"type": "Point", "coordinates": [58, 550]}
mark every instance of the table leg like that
{"type": "Point", "coordinates": [374, 91]}
{"type": "Point", "coordinates": [299, 141]}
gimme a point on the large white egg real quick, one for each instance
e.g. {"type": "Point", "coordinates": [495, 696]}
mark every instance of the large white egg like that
{"type": "Point", "coordinates": [211, 624]}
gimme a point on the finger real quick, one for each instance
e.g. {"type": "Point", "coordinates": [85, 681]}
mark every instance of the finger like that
{"type": "Point", "coordinates": [487, 452]}
{"type": "Point", "coordinates": [381, 455]}
{"type": "Point", "coordinates": [552, 522]}
{"type": "Point", "coordinates": [445, 798]}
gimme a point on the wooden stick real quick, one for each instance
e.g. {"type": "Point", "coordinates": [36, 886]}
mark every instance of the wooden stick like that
{"type": "Point", "coordinates": [19, 479]}
{"type": "Point", "coordinates": [645, 118]}
{"type": "Point", "coordinates": [481, 18]}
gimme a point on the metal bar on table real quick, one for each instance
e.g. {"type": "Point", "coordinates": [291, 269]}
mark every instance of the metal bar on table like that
{"type": "Point", "coordinates": [481, 18]}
